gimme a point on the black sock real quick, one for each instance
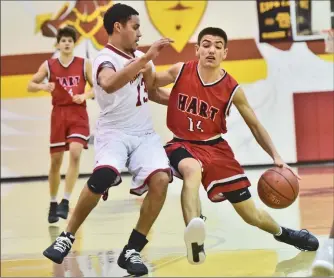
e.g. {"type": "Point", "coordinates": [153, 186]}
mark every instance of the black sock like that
{"type": "Point", "coordinates": [137, 241]}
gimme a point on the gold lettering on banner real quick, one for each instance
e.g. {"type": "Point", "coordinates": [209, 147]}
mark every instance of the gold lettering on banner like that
{"type": "Point", "coordinates": [304, 4]}
{"type": "Point", "coordinates": [274, 35]}
{"type": "Point", "coordinates": [283, 20]}
{"type": "Point", "coordinates": [269, 21]}
{"type": "Point", "coordinates": [268, 6]}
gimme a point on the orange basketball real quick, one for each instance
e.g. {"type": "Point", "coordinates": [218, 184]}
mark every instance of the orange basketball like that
{"type": "Point", "coordinates": [278, 188]}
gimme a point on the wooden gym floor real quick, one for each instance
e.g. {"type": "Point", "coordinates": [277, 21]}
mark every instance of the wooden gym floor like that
{"type": "Point", "coordinates": [233, 248]}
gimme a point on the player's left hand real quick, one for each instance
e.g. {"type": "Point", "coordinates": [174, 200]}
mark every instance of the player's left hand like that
{"type": "Point", "coordinates": [281, 164]}
{"type": "Point", "coordinates": [78, 99]}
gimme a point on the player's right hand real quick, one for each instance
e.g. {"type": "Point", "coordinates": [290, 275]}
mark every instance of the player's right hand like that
{"type": "Point", "coordinates": [281, 164]}
{"type": "Point", "coordinates": [156, 47]}
{"type": "Point", "coordinates": [49, 87]}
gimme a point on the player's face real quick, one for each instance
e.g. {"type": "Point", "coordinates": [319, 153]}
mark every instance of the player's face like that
{"type": "Point", "coordinates": [131, 33]}
{"type": "Point", "coordinates": [211, 51]}
{"type": "Point", "coordinates": [66, 45]}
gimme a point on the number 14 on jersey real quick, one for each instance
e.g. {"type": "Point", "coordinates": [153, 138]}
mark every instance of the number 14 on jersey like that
{"type": "Point", "coordinates": [195, 125]}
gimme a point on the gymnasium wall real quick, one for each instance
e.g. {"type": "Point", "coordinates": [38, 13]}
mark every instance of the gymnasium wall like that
{"type": "Point", "coordinates": [270, 73]}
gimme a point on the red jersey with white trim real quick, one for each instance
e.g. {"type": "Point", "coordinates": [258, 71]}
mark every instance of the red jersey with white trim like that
{"type": "Point", "coordinates": [69, 80]}
{"type": "Point", "coordinates": [197, 111]}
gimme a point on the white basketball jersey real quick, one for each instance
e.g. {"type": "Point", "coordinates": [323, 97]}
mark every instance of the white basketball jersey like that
{"type": "Point", "coordinates": [126, 109]}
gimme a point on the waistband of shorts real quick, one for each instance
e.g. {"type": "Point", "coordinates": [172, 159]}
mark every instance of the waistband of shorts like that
{"type": "Point", "coordinates": [68, 105]}
{"type": "Point", "coordinates": [209, 142]}
{"type": "Point", "coordinates": [102, 130]}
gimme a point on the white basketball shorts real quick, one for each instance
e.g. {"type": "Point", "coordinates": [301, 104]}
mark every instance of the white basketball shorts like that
{"type": "Point", "coordinates": [142, 154]}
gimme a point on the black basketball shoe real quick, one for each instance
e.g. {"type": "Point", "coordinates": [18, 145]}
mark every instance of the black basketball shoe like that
{"type": "Point", "coordinates": [59, 249]}
{"type": "Point", "coordinates": [131, 260]}
{"type": "Point", "coordinates": [302, 240]}
{"type": "Point", "coordinates": [63, 208]}
{"type": "Point", "coordinates": [52, 218]}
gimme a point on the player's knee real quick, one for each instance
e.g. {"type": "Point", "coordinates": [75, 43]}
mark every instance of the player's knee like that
{"type": "Point", "coordinates": [190, 168]}
{"type": "Point", "coordinates": [158, 184]}
{"type": "Point", "coordinates": [56, 160]}
{"type": "Point", "coordinates": [102, 179]}
{"type": "Point", "coordinates": [75, 152]}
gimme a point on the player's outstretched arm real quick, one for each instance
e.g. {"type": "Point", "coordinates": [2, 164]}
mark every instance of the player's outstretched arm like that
{"type": "Point", "coordinates": [111, 81]}
{"type": "Point", "coordinates": [35, 84]}
{"type": "Point", "coordinates": [154, 81]}
{"type": "Point", "coordinates": [160, 96]}
{"type": "Point", "coordinates": [167, 77]}
{"type": "Point", "coordinates": [90, 93]}
{"type": "Point", "coordinates": [259, 132]}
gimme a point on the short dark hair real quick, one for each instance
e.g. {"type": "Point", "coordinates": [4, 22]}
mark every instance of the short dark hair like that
{"type": "Point", "coordinates": [214, 31]}
{"type": "Point", "coordinates": [117, 13]}
{"type": "Point", "coordinates": [68, 32]}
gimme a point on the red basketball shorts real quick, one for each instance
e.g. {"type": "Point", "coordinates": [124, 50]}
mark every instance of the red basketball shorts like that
{"type": "Point", "coordinates": [68, 124]}
{"type": "Point", "coordinates": [221, 172]}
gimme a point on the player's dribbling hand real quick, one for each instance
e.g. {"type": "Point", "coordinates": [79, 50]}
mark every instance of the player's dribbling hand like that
{"type": "Point", "coordinates": [78, 99]}
{"type": "Point", "coordinates": [281, 164]}
{"type": "Point", "coordinates": [49, 87]}
{"type": "Point", "coordinates": [156, 47]}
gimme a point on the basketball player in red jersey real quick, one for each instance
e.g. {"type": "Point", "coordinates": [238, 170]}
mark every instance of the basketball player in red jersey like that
{"type": "Point", "coordinates": [197, 110]}
{"type": "Point", "coordinates": [67, 77]}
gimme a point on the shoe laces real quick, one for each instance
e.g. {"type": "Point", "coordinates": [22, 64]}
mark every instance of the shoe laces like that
{"type": "Point", "coordinates": [300, 236]}
{"type": "Point", "coordinates": [62, 243]}
{"type": "Point", "coordinates": [133, 256]}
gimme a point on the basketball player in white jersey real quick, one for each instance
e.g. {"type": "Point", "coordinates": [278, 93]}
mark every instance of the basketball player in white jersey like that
{"type": "Point", "coordinates": [124, 137]}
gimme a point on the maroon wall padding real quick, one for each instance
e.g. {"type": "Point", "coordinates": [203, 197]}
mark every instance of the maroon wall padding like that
{"type": "Point", "coordinates": [314, 126]}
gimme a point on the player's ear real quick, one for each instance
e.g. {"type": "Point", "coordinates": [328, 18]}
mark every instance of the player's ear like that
{"type": "Point", "coordinates": [225, 53]}
{"type": "Point", "coordinates": [197, 50]}
{"type": "Point", "coordinates": [117, 26]}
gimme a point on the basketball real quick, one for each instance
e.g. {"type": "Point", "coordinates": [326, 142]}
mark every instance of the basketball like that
{"type": "Point", "coordinates": [278, 188]}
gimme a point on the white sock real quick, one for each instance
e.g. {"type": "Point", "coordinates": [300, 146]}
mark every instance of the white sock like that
{"type": "Point", "coordinates": [280, 232]}
{"type": "Point", "coordinates": [53, 199]}
{"type": "Point", "coordinates": [67, 196]}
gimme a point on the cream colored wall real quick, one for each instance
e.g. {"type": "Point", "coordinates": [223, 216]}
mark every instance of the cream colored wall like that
{"type": "Point", "coordinates": [25, 121]}
{"type": "Point", "coordinates": [17, 36]}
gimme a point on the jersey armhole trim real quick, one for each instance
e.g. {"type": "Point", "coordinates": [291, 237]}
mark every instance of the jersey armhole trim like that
{"type": "Point", "coordinates": [84, 69]}
{"type": "Point", "coordinates": [179, 75]}
{"type": "Point", "coordinates": [48, 69]}
{"type": "Point", "coordinates": [105, 64]}
{"type": "Point", "coordinates": [236, 87]}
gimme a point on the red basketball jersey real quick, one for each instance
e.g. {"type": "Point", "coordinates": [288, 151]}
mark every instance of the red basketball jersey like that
{"type": "Point", "coordinates": [197, 111]}
{"type": "Point", "coordinates": [69, 80]}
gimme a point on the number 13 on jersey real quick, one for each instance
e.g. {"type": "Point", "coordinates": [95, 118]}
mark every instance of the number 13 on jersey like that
{"type": "Point", "coordinates": [141, 86]}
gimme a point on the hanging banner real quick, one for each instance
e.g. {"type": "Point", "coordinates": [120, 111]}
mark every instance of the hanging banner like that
{"type": "Point", "coordinates": [303, 17]}
{"type": "Point", "coordinates": [274, 20]}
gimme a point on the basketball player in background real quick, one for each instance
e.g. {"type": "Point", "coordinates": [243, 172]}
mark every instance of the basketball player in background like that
{"type": "Point", "coordinates": [323, 263]}
{"type": "Point", "coordinates": [124, 137]}
{"type": "Point", "coordinates": [67, 77]}
{"type": "Point", "coordinates": [198, 106]}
